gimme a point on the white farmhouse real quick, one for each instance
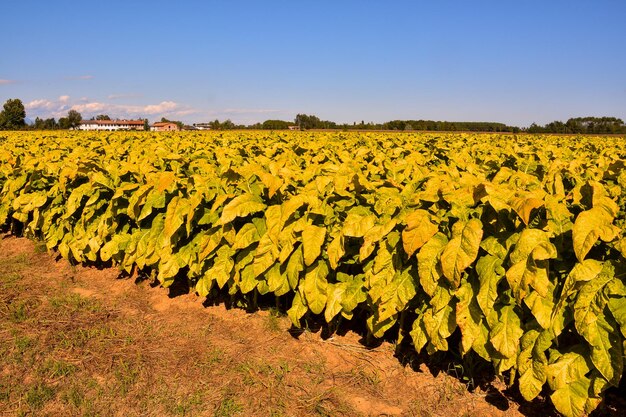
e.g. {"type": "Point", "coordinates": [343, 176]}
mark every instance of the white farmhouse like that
{"type": "Point", "coordinates": [111, 125]}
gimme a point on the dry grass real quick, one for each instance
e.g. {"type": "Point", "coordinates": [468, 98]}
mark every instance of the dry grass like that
{"type": "Point", "coordinates": [79, 342]}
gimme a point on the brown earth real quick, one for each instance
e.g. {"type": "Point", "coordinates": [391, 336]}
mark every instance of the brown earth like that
{"type": "Point", "coordinates": [78, 341]}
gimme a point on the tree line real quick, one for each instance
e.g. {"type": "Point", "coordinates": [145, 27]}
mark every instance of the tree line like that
{"type": "Point", "coordinates": [13, 117]}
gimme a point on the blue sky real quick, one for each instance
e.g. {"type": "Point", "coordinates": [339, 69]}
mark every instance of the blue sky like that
{"type": "Point", "coordinates": [515, 62]}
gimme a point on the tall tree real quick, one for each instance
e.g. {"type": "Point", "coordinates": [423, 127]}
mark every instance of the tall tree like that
{"type": "Point", "coordinates": [74, 119]}
{"type": "Point", "coordinates": [13, 115]}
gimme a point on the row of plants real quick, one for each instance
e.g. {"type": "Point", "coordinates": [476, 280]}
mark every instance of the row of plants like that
{"type": "Point", "coordinates": [513, 244]}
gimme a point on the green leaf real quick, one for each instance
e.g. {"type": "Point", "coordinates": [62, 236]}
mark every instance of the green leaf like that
{"type": "Point", "coordinates": [524, 206]}
{"type": "Point", "coordinates": [335, 251]}
{"type": "Point", "coordinates": [567, 368]}
{"type": "Point", "coordinates": [439, 326]}
{"type": "Point", "coordinates": [222, 267]}
{"type": "Point", "coordinates": [295, 266]}
{"type": "Point", "coordinates": [333, 302]}
{"type": "Point", "coordinates": [468, 316]}
{"type": "Point", "coordinates": [428, 267]}
{"type": "Point", "coordinates": [357, 224]}
{"type": "Point", "coordinates": [247, 235]}
{"type": "Point", "coordinates": [315, 286]}
{"type": "Point", "coordinates": [297, 310]}
{"type": "Point", "coordinates": [419, 229]}
{"type": "Point", "coordinates": [462, 250]}
{"type": "Point", "coordinates": [490, 272]}
{"type": "Point", "coordinates": [241, 206]}
{"type": "Point", "coordinates": [312, 242]}
{"type": "Point", "coordinates": [265, 256]}
{"type": "Point", "coordinates": [590, 226]}
{"type": "Point", "coordinates": [570, 399]}
{"type": "Point", "coordinates": [505, 335]}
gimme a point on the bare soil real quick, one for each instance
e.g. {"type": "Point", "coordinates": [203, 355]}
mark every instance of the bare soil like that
{"type": "Point", "coordinates": [78, 341]}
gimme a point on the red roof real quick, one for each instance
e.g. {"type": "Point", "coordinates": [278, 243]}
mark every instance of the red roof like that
{"type": "Point", "coordinates": [112, 122]}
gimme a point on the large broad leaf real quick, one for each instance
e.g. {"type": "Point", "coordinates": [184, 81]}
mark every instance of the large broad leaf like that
{"type": "Point", "coordinates": [532, 365]}
{"type": "Point", "coordinates": [524, 207]}
{"type": "Point", "coordinates": [374, 235]}
{"type": "Point", "coordinates": [241, 206]}
{"type": "Point", "coordinates": [468, 316]}
{"type": "Point", "coordinates": [222, 267]}
{"type": "Point", "coordinates": [590, 226]}
{"type": "Point", "coordinates": [570, 400]}
{"type": "Point", "coordinates": [567, 368]}
{"type": "Point", "coordinates": [312, 242]}
{"type": "Point", "coordinates": [246, 236]}
{"type": "Point", "coordinates": [265, 256]}
{"type": "Point", "coordinates": [294, 267]}
{"type": "Point", "coordinates": [505, 335]}
{"type": "Point", "coordinates": [530, 268]}
{"type": "Point", "coordinates": [439, 326]}
{"type": "Point", "coordinates": [490, 272]}
{"type": "Point", "coordinates": [428, 266]}
{"type": "Point", "coordinates": [358, 223]}
{"type": "Point", "coordinates": [316, 286]}
{"type": "Point", "coordinates": [175, 215]}
{"type": "Point", "coordinates": [297, 310]}
{"type": "Point", "coordinates": [333, 302]}
{"type": "Point", "coordinates": [419, 229]}
{"type": "Point", "coordinates": [335, 250]}
{"type": "Point", "coordinates": [462, 250]}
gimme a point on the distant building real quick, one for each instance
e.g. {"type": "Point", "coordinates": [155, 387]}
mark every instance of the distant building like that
{"type": "Point", "coordinates": [111, 125]}
{"type": "Point", "coordinates": [202, 126]}
{"type": "Point", "coordinates": [294, 127]}
{"type": "Point", "coordinates": [163, 127]}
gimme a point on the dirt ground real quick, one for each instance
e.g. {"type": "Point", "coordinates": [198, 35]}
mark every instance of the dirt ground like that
{"type": "Point", "coordinates": [78, 341]}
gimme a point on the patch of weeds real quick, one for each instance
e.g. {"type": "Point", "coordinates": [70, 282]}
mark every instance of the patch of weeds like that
{"type": "Point", "coordinates": [40, 247]}
{"type": "Point", "coordinates": [315, 370]}
{"type": "Point", "coordinates": [57, 369]}
{"type": "Point", "coordinates": [22, 343]}
{"type": "Point", "coordinates": [73, 397]}
{"type": "Point", "coordinates": [126, 374]}
{"type": "Point", "coordinates": [75, 303]}
{"type": "Point", "coordinates": [215, 356]}
{"type": "Point", "coordinates": [81, 336]}
{"type": "Point", "coordinates": [185, 406]}
{"type": "Point", "coordinates": [228, 407]}
{"type": "Point", "coordinates": [5, 392]}
{"type": "Point", "coordinates": [249, 371]}
{"type": "Point", "coordinates": [364, 377]}
{"type": "Point", "coordinates": [10, 280]}
{"type": "Point", "coordinates": [37, 396]}
{"type": "Point", "coordinates": [19, 311]}
{"type": "Point", "coordinates": [274, 319]}
{"type": "Point", "coordinates": [279, 371]}
{"type": "Point", "coordinates": [15, 263]}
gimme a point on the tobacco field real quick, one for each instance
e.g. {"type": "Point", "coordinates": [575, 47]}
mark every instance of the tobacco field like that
{"type": "Point", "coordinates": [507, 247]}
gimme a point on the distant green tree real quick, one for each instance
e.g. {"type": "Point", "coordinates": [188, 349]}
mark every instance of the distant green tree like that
{"type": "Point", "coordinates": [74, 118]}
{"type": "Point", "coordinates": [146, 125]}
{"type": "Point", "coordinates": [275, 125]}
{"type": "Point", "coordinates": [103, 117]}
{"type": "Point", "coordinates": [13, 115]}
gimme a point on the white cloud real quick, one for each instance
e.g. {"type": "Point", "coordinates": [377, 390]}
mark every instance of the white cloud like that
{"type": "Point", "coordinates": [7, 82]}
{"type": "Point", "coordinates": [162, 107]}
{"type": "Point", "coordinates": [81, 77]}
{"type": "Point", "coordinates": [90, 108]}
